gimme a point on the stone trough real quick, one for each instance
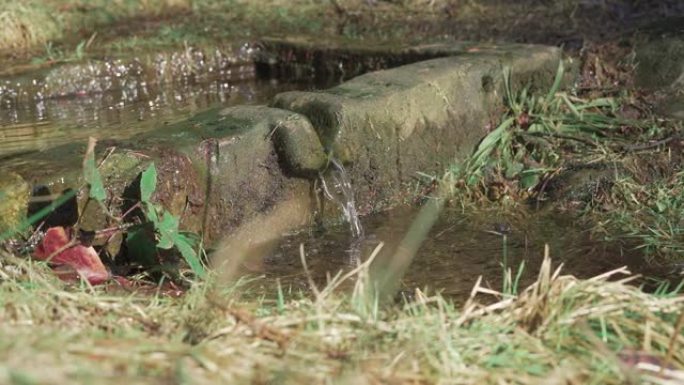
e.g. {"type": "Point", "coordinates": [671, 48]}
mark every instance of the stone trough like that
{"type": "Point", "coordinates": [253, 171]}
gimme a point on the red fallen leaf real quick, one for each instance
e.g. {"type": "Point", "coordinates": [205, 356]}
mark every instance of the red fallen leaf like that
{"type": "Point", "coordinates": [83, 260]}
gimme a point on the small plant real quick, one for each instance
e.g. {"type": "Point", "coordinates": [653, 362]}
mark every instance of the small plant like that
{"type": "Point", "coordinates": [166, 224]}
{"type": "Point", "coordinates": [70, 245]}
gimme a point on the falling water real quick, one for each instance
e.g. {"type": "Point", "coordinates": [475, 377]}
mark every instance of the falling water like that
{"type": "Point", "coordinates": [344, 196]}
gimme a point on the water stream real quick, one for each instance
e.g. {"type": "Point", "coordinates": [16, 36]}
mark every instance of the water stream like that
{"type": "Point", "coordinates": [458, 250]}
{"type": "Point", "coordinates": [343, 196]}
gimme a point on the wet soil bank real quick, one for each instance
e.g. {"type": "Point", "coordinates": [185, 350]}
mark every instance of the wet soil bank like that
{"type": "Point", "coordinates": [173, 23]}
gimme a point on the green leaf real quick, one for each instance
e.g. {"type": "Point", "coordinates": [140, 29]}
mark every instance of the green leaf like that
{"type": "Point", "coordinates": [165, 241]}
{"type": "Point", "coordinates": [151, 213]}
{"type": "Point", "coordinates": [513, 169]}
{"type": "Point", "coordinates": [185, 245]}
{"type": "Point", "coordinates": [529, 180]}
{"type": "Point", "coordinates": [148, 183]}
{"type": "Point", "coordinates": [167, 229]}
{"type": "Point", "coordinates": [92, 175]}
{"type": "Point", "coordinates": [80, 49]}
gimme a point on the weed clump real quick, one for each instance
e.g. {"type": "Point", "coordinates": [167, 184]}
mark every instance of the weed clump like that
{"type": "Point", "coordinates": [587, 155]}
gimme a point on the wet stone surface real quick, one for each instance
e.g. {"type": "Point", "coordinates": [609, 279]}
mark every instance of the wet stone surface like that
{"type": "Point", "coordinates": [342, 59]}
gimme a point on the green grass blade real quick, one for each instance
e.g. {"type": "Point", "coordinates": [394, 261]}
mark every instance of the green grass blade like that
{"type": "Point", "coordinates": [92, 175]}
{"type": "Point", "coordinates": [488, 144]}
{"type": "Point", "coordinates": [556, 82]}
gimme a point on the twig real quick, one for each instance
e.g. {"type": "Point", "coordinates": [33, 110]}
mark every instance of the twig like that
{"type": "Point", "coordinates": [567, 137]}
{"type": "Point", "coordinates": [71, 243]}
{"type": "Point", "coordinates": [548, 179]}
{"type": "Point", "coordinates": [314, 288]}
{"type": "Point", "coordinates": [646, 146]}
{"type": "Point", "coordinates": [258, 327]}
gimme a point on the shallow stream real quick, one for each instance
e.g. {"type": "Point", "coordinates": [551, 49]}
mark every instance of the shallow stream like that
{"type": "Point", "coordinates": [116, 98]}
{"type": "Point", "coordinates": [458, 250]}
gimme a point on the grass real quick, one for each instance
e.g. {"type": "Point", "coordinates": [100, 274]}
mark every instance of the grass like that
{"type": "Point", "coordinates": [41, 27]}
{"type": "Point", "coordinates": [558, 330]}
{"type": "Point", "coordinates": [545, 134]}
{"type": "Point", "coordinates": [648, 216]}
{"type": "Point", "coordinates": [34, 23]}
{"type": "Point", "coordinates": [57, 28]}
{"type": "Point", "coordinates": [537, 126]}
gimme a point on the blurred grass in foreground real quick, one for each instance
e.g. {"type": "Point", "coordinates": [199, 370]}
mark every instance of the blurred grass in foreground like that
{"type": "Point", "coordinates": [559, 330]}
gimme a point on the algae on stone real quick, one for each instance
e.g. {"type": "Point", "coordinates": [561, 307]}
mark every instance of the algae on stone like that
{"type": "Point", "coordinates": [14, 196]}
{"type": "Point", "coordinates": [247, 159]}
